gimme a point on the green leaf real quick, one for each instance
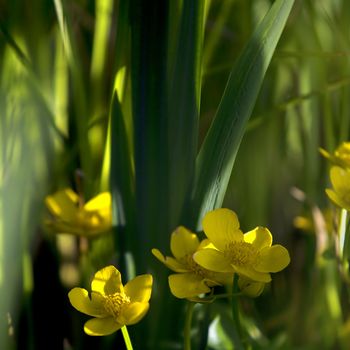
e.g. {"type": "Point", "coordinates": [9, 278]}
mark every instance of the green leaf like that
{"type": "Point", "coordinates": [122, 181]}
{"type": "Point", "coordinates": [81, 110]}
{"type": "Point", "coordinates": [183, 106]}
{"type": "Point", "coordinates": [149, 115]}
{"type": "Point", "coordinates": [219, 149]}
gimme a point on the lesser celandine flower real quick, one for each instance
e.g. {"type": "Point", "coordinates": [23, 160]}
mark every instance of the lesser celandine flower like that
{"type": "Point", "coordinates": [69, 216]}
{"type": "Point", "coordinates": [111, 304]}
{"type": "Point", "coordinates": [190, 279]}
{"type": "Point", "coordinates": [307, 223]}
{"type": "Point", "coordinates": [341, 155]}
{"type": "Point", "coordinates": [250, 255]}
{"type": "Point", "coordinates": [247, 287]}
{"type": "Point", "coordinates": [340, 194]}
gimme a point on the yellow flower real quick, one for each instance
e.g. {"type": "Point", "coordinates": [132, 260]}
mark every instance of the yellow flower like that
{"type": "Point", "coordinates": [341, 155]}
{"type": "Point", "coordinates": [90, 219]}
{"type": "Point", "coordinates": [307, 223]}
{"type": "Point", "coordinates": [112, 304]}
{"type": "Point", "coordinates": [251, 255]}
{"type": "Point", "coordinates": [247, 287]}
{"type": "Point", "coordinates": [340, 179]}
{"type": "Point", "coordinates": [191, 279]}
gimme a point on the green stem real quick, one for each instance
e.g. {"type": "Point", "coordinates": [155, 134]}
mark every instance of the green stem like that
{"type": "Point", "coordinates": [126, 338]}
{"type": "Point", "coordinates": [342, 233]}
{"type": "Point", "coordinates": [235, 314]}
{"type": "Point", "coordinates": [188, 322]}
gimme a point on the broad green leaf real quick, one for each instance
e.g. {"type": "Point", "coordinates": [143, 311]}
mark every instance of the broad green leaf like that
{"type": "Point", "coordinates": [219, 149]}
{"type": "Point", "coordinates": [183, 106]}
{"type": "Point", "coordinates": [149, 83]}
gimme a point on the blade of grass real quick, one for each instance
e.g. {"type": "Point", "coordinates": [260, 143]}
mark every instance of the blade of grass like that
{"type": "Point", "coordinates": [78, 91]}
{"type": "Point", "coordinates": [97, 131]}
{"type": "Point", "coordinates": [214, 35]}
{"type": "Point", "coordinates": [122, 182]}
{"type": "Point", "coordinates": [34, 80]}
{"type": "Point", "coordinates": [219, 149]}
{"type": "Point", "coordinates": [104, 10]}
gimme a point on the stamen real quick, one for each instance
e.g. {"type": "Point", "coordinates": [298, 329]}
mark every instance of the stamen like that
{"type": "Point", "coordinates": [241, 253]}
{"type": "Point", "coordinates": [113, 303]}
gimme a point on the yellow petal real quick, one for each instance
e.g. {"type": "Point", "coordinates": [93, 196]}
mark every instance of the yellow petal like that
{"type": "Point", "coordinates": [340, 179]}
{"type": "Point", "coordinates": [79, 298]}
{"type": "Point", "coordinates": [133, 313]}
{"type": "Point", "coordinates": [101, 326]}
{"type": "Point", "coordinates": [206, 243]}
{"type": "Point", "coordinates": [342, 154]}
{"type": "Point", "coordinates": [63, 204]}
{"type": "Point", "coordinates": [169, 262]}
{"type": "Point", "coordinates": [140, 288]}
{"type": "Point", "coordinates": [338, 200]}
{"type": "Point", "coordinates": [103, 200]}
{"type": "Point", "coordinates": [107, 281]}
{"type": "Point", "coordinates": [212, 259]}
{"type": "Point", "coordinates": [273, 259]}
{"type": "Point", "coordinates": [260, 237]}
{"type": "Point", "coordinates": [250, 288]}
{"type": "Point", "coordinates": [187, 285]}
{"type": "Point", "coordinates": [343, 148]}
{"type": "Point", "coordinates": [222, 278]}
{"type": "Point", "coordinates": [222, 227]}
{"type": "Point", "coordinates": [252, 274]}
{"type": "Point", "coordinates": [183, 242]}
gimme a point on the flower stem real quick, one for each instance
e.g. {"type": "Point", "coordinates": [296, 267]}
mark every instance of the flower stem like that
{"type": "Point", "coordinates": [188, 322]}
{"type": "Point", "coordinates": [235, 314]}
{"type": "Point", "coordinates": [126, 338]}
{"type": "Point", "coordinates": [342, 233]}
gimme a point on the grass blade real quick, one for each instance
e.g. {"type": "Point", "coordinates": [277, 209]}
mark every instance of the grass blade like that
{"type": "Point", "coordinates": [218, 152]}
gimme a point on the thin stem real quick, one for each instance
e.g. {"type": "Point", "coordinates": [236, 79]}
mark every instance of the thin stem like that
{"type": "Point", "coordinates": [126, 338]}
{"type": "Point", "coordinates": [235, 314]}
{"type": "Point", "coordinates": [342, 232]}
{"type": "Point", "coordinates": [188, 322]}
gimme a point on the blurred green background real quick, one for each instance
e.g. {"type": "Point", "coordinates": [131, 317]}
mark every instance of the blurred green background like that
{"type": "Point", "coordinates": [58, 63]}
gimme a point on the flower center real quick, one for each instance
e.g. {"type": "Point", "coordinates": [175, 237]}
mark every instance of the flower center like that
{"type": "Point", "coordinates": [113, 303]}
{"type": "Point", "coordinates": [241, 253]}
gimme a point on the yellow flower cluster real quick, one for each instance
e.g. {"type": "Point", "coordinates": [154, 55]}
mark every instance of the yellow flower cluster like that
{"type": "Point", "coordinates": [111, 304]}
{"type": "Point", "coordinates": [227, 251]}
{"type": "Point", "coordinates": [69, 216]}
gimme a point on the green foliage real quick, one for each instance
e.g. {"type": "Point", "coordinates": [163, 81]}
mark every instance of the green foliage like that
{"type": "Point", "coordinates": [177, 107]}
